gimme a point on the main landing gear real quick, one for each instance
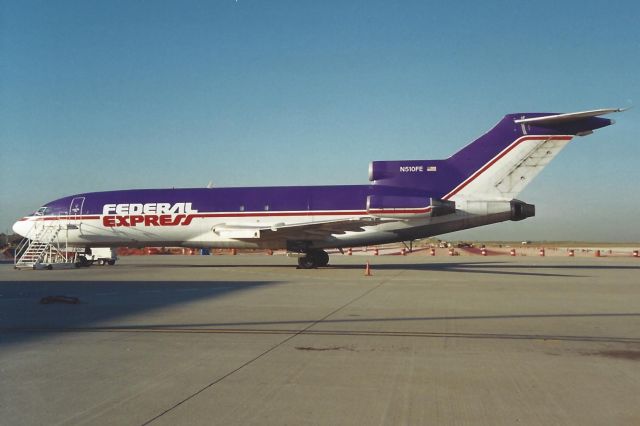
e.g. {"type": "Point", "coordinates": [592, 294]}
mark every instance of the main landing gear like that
{"type": "Point", "coordinates": [313, 259]}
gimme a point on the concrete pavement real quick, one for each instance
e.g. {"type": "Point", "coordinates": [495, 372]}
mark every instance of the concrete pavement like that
{"type": "Point", "coordinates": [251, 340]}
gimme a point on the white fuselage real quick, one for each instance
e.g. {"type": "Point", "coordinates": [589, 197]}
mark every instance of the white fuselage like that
{"type": "Point", "coordinates": [147, 228]}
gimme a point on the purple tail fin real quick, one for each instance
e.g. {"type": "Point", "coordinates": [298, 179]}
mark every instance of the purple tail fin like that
{"type": "Point", "coordinates": [502, 150]}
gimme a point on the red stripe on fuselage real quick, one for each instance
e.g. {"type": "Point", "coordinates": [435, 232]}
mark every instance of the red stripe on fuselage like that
{"type": "Point", "coordinates": [400, 211]}
{"type": "Point", "coordinates": [253, 214]}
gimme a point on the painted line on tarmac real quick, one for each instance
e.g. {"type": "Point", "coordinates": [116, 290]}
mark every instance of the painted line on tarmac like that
{"type": "Point", "coordinates": [354, 333]}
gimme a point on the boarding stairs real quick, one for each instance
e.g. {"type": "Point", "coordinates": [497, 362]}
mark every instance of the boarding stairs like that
{"type": "Point", "coordinates": [41, 249]}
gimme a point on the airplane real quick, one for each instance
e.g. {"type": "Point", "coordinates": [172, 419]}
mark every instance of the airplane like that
{"type": "Point", "coordinates": [403, 201]}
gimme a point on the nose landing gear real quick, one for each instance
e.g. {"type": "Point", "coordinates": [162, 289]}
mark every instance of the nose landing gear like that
{"type": "Point", "coordinates": [313, 259]}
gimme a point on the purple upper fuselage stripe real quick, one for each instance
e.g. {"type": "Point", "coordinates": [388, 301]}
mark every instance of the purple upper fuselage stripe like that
{"type": "Point", "coordinates": [437, 178]}
{"type": "Point", "coordinates": [251, 199]}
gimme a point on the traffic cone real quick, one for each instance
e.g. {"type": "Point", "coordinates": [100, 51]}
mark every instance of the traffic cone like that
{"type": "Point", "coordinates": [367, 270]}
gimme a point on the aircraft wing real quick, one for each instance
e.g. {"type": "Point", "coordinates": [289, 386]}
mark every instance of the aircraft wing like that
{"type": "Point", "coordinates": [299, 231]}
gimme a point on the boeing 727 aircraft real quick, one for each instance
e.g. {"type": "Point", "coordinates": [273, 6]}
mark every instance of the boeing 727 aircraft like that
{"type": "Point", "coordinates": [403, 201]}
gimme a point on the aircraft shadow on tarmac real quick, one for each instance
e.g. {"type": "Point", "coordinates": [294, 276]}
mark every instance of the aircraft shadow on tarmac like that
{"type": "Point", "coordinates": [496, 268]}
{"type": "Point", "coordinates": [106, 304]}
{"type": "Point", "coordinates": [23, 317]}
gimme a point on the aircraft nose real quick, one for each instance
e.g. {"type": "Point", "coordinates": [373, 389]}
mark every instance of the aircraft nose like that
{"type": "Point", "coordinates": [22, 227]}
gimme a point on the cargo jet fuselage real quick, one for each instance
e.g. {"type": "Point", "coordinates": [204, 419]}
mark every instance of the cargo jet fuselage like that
{"type": "Point", "coordinates": [404, 200]}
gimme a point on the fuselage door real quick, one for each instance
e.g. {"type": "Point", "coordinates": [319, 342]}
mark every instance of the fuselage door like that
{"type": "Point", "coordinates": [75, 212]}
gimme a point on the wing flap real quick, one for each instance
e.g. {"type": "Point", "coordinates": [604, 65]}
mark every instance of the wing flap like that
{"type": "Point", "coordinates": [322, 230]}
{"type": "Point", "coordinates": [298, 231]}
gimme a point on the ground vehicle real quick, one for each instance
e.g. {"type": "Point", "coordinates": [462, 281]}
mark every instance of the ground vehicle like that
{"type": "Point", "coordinates": [99, 255]}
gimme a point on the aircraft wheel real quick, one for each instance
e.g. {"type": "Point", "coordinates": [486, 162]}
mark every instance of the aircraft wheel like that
{"type": "Point", "coordinates": [307, 262]}
{"type": "Point", "coordinates": [322, 257]}
{"type": "Point", "coordinates": [313, 259]}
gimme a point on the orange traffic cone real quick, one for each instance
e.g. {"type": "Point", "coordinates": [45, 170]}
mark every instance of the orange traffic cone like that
{"type": "Point", "coordinates": [367, 270]}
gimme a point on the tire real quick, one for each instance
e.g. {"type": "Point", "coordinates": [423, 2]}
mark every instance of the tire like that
{"type": "Point", "coordinates": [323, 257]}
{"type": "Point", "coordinates": [111, 262]}
{"type": "Point", "coordinates": [101, 262]}
{"type": "Point", "coordinates": [313, 259]}
{"type": "Point", "coordinates": [306, 262]}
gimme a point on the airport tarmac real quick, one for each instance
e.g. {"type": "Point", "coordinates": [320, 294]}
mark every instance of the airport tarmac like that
{"type": "Point", "coordinates": [237, 340]}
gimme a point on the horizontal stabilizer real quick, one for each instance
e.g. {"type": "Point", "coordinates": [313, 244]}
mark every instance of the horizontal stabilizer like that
{"type": "Point", "coordinates": [564, 118]}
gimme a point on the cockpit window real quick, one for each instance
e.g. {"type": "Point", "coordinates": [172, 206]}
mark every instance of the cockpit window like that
{"type": "Point", "coordinates": [42, 211]}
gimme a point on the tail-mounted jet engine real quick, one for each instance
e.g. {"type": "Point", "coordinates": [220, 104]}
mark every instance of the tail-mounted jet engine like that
{"type": "Point", "coordinates": [521, 210]}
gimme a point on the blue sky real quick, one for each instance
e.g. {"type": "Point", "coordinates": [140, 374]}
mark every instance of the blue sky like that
{"type": "Point", "coordinates": [110, 95]}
